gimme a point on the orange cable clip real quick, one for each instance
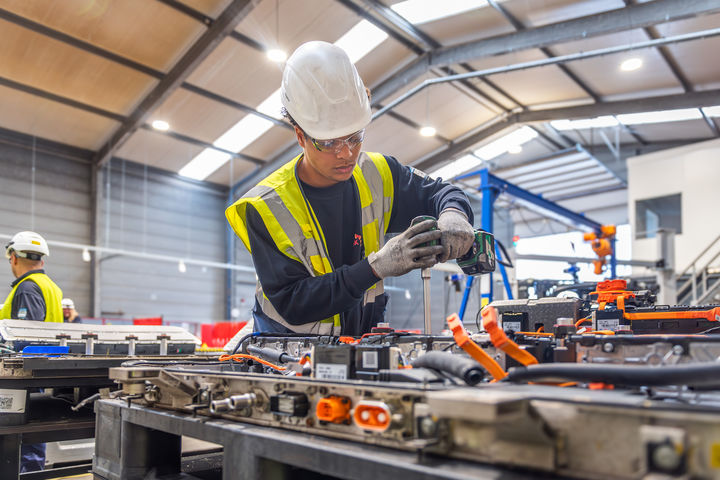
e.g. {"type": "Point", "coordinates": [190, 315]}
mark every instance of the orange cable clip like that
{"type": "Point", "coordinates": [464, 341]}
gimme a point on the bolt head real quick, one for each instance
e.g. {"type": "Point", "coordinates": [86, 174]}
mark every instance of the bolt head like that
{"type": "Point", "coordinates": [428, 427]}
{"type": "Point", "coordinates": [666, 458]}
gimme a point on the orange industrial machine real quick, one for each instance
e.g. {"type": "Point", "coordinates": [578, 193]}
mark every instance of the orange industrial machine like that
{"type": "Point", "coordinates": [601, 244]}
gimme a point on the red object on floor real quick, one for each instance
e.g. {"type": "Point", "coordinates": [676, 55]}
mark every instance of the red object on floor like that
{"type": "Point", "coordinates": [216, 335]}
{"type": "Point", "coordinates": [148, 321]}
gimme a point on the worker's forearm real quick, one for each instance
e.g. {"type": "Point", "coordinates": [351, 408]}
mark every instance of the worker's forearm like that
{"type": "Point", "coordinates": [310, 299]}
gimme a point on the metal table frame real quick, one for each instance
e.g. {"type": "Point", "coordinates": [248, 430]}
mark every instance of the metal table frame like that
{"type": "Point", "coordinates": [11, 437]}
{"type": "Point", "coordinates": [134, 441]}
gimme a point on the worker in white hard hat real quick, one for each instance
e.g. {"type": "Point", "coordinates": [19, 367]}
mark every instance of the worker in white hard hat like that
{"type": "Point", "coordinates": [70, 315]}
{"type": "Point", "coordinates": [33, 295]}
{"type": "Point", "coordinates": [316, 226]}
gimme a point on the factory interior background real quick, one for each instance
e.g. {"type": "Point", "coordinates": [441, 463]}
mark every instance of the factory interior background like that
{"type": "Point", "coordinates": [128, 126]}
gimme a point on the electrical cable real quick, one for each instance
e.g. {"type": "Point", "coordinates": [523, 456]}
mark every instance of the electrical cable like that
{"type": "Point", "coordinates": [238, 357]}
{"type": "Point", "coordinates": [136, 363]}
{"type": "Point", "coordinates": [92, 398]}
{"type": "Point", "coordinates": [272, 354]}
{"type": "Point", "coordinates": [583, 320]}
{"type": "Point", "coordinates": [519, 209]}
{"type": "Point", "coordinates": [684, 374]}
{"type": "Point", "coordinates": [445, 362]}
{"type": "Point", "coordinates": [464, 341]}
{"type": "Point", "coordinates": [272, 334]}
{"type": "Point", "coordinates": [506, 262]}
{"type": "Point", "coordinates": [242, 340]}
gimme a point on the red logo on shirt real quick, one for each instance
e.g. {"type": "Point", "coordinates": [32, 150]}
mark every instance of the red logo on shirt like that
{"type": "Point", "coordinates": [358, 240]}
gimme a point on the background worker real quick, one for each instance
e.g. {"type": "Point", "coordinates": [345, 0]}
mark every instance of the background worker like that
{"type": "Point", "coordinates": [33, 297]}
{"type": "Point", "coordinates": [316, 226]}
{"type": "Point", "coordinates": [70, 315]}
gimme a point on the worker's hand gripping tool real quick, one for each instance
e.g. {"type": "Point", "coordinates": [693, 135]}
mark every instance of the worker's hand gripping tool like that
{"type": "Point", "coordinates": [481, 256]}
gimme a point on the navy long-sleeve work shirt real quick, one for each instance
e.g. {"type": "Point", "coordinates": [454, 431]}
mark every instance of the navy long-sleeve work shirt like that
{"type": "Point", "coordinates": [301, 298]}
{"type": "Point", "coordinates": [28, 302]}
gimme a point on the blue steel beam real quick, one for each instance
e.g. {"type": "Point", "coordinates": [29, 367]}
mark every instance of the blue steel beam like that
{"type": "Point", "coordinates": [488, 180]}
{"type": "Point", "coordinates": [491, 187]}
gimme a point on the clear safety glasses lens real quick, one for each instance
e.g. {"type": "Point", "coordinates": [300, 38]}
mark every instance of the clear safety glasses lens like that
{"type": "Point", "coordinates": [336, 145]}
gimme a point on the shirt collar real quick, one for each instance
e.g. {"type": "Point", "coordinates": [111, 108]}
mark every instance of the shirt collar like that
{"type": "Point", "coordinates": [20, 279]}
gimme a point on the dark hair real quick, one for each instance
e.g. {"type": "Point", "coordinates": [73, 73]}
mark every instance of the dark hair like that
{"type": "Point", "coordinates": [289, 118]}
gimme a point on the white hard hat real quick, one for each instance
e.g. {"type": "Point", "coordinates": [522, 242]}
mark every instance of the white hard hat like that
{"type": "Point", "coordinates": [27, 245]}
{"type": "Point", "coordinates": [67, 303]}
{"type": "Point", "coordinates": [322, 91]}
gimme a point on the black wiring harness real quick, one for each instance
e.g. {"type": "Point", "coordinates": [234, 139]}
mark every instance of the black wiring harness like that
{"type": "Point", "coordinates": [689, 374]}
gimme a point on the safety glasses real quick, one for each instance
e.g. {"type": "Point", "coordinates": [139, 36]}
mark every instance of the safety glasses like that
{"type": "Point", "coordinates": [336, 145]}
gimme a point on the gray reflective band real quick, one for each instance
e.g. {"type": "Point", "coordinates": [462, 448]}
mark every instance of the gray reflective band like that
{"type": "Point", "coordinates": [304, 248]}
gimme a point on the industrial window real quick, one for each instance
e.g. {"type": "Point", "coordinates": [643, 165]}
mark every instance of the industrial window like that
{"type": "Point", "coordinates": [652, 214]}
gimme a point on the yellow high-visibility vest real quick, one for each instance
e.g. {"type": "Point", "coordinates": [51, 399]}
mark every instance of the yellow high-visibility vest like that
{"type": "Point", "coordinates": [51, 293]}
{"type": "Point", "coordinates": [292, 224]}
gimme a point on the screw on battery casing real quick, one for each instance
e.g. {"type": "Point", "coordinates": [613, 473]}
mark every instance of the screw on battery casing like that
{"type": "Point", "coordinates": [163, 343]}
{"type": "Point", "coordinates": [132, 340]}
{"type": "Point", "coordinates": [63, 338]}
{"type": "Point", "coordinates": [90, 339]}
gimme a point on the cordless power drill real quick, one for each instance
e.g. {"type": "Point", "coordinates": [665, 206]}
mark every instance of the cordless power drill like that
{"type": "Point", "coordinates": [481, 256]}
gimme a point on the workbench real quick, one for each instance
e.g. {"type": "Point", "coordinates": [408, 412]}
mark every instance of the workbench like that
{"type": "Point", "coordinates": [135, 440]}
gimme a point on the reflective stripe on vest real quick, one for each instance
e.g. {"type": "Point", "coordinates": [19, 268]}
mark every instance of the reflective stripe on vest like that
{"type": "Point", "coordinates": [51, 294]}
{"type": "Point", "coordinates": [292, 225]}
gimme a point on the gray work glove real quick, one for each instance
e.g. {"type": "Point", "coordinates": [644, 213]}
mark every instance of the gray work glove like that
{"type": "Point", "coordinates": [402, 254]}
{"type": "Point", "coordinates": [457, 234]}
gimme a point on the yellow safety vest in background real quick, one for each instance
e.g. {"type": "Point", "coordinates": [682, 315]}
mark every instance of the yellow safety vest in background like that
{"type": "Point", "coordinates": [292, 224]}
{"type": "Point", "coordinates": [51, 293]}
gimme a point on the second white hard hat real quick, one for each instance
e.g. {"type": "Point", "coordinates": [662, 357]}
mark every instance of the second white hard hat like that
{"type": "Point", "coordinates": [67, 303]}
{"type": "Point", "coordinates": [27, 243]}
{"type": "Point", "coordinates": [323, 92]}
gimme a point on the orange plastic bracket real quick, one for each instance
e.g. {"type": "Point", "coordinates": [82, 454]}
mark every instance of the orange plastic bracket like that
{"type": "Point", "coordinates": [501, 341]}
{"type": "Point", "coordinates": [464, 341]}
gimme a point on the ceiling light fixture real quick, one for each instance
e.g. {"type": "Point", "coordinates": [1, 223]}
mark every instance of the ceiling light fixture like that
{"type": "Point", "coordinates": [453, 169]}
{"type": "Point", "coordinates": [503, 144]}
{"type": "Point", "coordinates": [509, 143]}
{"type": "Point", "coordinates": [161, 125]}
{"type": "Point", "coordinates": [276, 55]}
{"type": "Point", "coordinates": [423, 11]}
{"type": "Point", "coordinates": [361, 39]}
{"type": "Point", "coordinates": [428, 131]}
{"type": "Point", "coordinates": [86, 255]}
{"type": "Point", "coordinates": [712, 111]}
{"type": "Point", "coordinates": [661, 116]}
{"type": "Point", "coordinates": [631, 64]}
{"type": "Point", "coordinates": [597, 122]}
{"type": "Point", "coordinates": [205, 163]}
{"type": "Point", "coordinates": [182, 268]}
{"type": "Point", "coordinates": [515, 149]}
